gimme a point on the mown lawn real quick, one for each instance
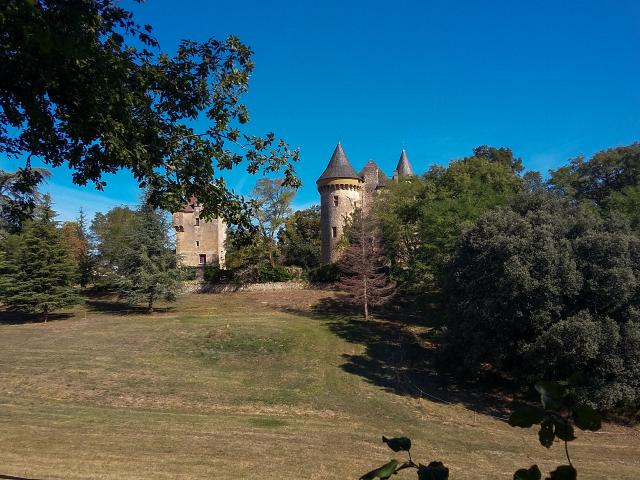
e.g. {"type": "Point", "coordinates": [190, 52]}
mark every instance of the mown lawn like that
{"type": "Point", "coordinates": [240, 386]}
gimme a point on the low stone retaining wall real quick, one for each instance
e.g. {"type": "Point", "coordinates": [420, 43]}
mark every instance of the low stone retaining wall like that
{"type": "Point", "coordinates": [201, 287]}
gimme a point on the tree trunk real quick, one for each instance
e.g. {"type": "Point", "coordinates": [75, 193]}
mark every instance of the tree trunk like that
{"type": "Point", "coordinates": [45, 314]}
{"type": "Point", "coordinates": [150, 308]}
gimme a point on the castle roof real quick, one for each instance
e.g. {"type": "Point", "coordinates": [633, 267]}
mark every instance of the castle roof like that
{"type": "Point", "coordinates": [404, 168]}
{"type": "Point", "coordinates": [339, 166]}
{"type": "Point", "coordinates": [372, 172]}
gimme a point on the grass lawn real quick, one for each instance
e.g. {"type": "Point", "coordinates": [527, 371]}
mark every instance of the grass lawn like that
{"type": "Point", "coordinates": [238, 386]}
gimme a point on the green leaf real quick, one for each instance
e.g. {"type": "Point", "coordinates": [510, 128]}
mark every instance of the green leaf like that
{"type": "Point", "coordinates": [526, 417]}
{"type": "Point", "coordinates": [586, 418]}
{"type": "Point", "coordinates": [564, 472]}
{"type": "Point", "coordinates": [564, 430]}
{"type": "Point", "coordinates": [398, 444]}
{"type": "Point", "coordinates": [433, 471]}
{"type": "Point", "coordinates": [546, 433]}
{"type": "Point", "coordinates": [551, 394]}
{"type": "Point", "coordinates": [383, 472]}
{"type": "Point", "coordinates": [533, 473]}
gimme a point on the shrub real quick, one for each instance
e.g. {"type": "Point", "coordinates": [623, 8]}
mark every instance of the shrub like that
{"type": "Point", "coordinates": [268, 273]}
{"type": "Point", "coordinates": [328, 273]}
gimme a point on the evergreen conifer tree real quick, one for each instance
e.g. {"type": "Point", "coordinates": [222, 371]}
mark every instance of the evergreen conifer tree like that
{"type": "Point", "coordinates": [37, 273]}
{"type": "Point", "coordinates": [148, 271]}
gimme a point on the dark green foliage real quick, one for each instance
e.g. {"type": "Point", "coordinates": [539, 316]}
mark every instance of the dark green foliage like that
{"type": "Point", "coordinates": [84, 85]}
{"type": "Point", "coordinates": [544, 289]}
{"type": "Point", "coordinates": [299, 239]}
{"type": "Point", "coordinates": [37, 272]}
{"type": "Point", "coordinates": [433, 471]}
{"type": "Point", "coordinates": [18, 195]}
{"type": "Point", "coordinates": [215, 274]}
{"type": "Point", "coordinates": [328, 273]}
{"type": "Point", "coordinates": [398, 444]}
{"type": "Point", "coordinates": [532, 473]}
{"type": "Point", "coordinates": [422, 218]}
{"type": "Point", "coordinates": [147, 271]}
{"type": "Point", "coordinates": [277, 273]}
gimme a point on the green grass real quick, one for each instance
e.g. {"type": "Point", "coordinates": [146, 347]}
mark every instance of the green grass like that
{"type": "Point", "coordinates": [228, 386]}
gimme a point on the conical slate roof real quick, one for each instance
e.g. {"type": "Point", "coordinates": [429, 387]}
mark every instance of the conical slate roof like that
{"type": "Point", "coordinates": [373, 173]}
{"type": "Point", "coordinates": [339, 167]}
{"type": "Point", "coordinates": [404, 168]}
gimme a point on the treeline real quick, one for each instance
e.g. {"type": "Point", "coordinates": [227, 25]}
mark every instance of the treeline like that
{"type": "Point", "coordinates": [536, 279]}
{"type": "Point", "coordinates": [44, 264]}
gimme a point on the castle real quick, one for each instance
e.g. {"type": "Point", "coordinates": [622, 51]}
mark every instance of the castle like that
{"type": "Point", "coordinates": [342, 190]}
{"type": "Point", "coordinates": [199, 242]}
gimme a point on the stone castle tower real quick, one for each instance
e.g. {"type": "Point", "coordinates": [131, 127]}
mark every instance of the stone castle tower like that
{"type": "Point", "coordinates": [199, 242]}
{"type": "Point", "coordinates": [342, 190]}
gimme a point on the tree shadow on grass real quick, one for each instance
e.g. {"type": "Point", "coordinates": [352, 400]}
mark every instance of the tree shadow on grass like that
{"type": "Point", "coordinates": [403, 359]}
{"type": "Point", "coordinates": [115, 307]}
{"type": "Point", "coordinates": [19, 318]}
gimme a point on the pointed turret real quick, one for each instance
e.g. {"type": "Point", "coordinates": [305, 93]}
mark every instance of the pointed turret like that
{"type": "Point", "coordinates": [404, 168]}
{"type": "Point", "coordinates": [373, 176]}
{"type": "Point", "coordinates": [339, 167]}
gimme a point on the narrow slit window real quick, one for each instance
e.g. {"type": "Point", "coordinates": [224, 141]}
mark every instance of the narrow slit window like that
{"type": "Point", "coordinates": [334, 232]}
{"type": "Point", "coordinates": [197, 243]}
{"type": "Point", "coordinates": [197, 221]}
{"type": "Point", "coordinates": [335, 201]}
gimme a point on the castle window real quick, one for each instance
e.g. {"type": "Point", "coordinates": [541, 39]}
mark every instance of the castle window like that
{"type": "Point", "coordinates": [334, 232]}
{"type": "Point", "coordinates": [197, 243]}
{"type": "Point", "coordinates": [335, 201]}
{"type": "Point", "coordinates": [197, 221]}
{"type": "Point", "coordinates": [203, 259]}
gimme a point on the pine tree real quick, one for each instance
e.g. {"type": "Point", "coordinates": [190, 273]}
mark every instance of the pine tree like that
{"type": "Point", "coordinates": [86, 261]}
{"type": "Point", "coordinates": [37, 273]}
{"type": "Point", "coordinates": [365, 278]}
{"type": "Point", "coordinates": [148, 271]}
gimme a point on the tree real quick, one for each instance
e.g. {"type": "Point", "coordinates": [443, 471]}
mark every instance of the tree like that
{"type": "Point", "coordinates": [84, 85]}
{"type": "Point", "coordinates": [500, 155]}
{"type": "Point", "coordinates": [271, 206]}
{"type": "Point", "coordinates": [545, 289]}
{"type": "Point", "coordinates": [111, 233]}
{"type": "Point", "coordinates": [422, 218]}
{"type": "Point", "coordinates": [18, 196]}
{"type": "Point", "coordinates": [364, 274]}
{"type": "Point", "coordinates": [37, 273]}
{"type": "Point", "coordinates": [76, 238]}
{"type": "Point", "coordinates": [148, 269]}
{"type": "Point", "coordinates": [299, 238]}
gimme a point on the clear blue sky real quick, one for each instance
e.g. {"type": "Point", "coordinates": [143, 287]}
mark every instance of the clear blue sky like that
{"type": "Point", "coordinates": [549, 79]}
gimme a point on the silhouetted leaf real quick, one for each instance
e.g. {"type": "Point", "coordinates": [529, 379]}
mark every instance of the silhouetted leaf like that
{"type": "Point", "coordinates": [551, 394]}
{"type": "Point", "coordinates": [546, 433]}
{"type": "Point", "coordinates": [433, 471]}
{"type": "Point", "coordinates": [586, 418]}
{"type": "Point", "coordinates": [533, 473]}
{"type": "Point", "coordinates": [564, 430]}
{"type": "Point", "coordinates": [564, 472]}
{"type": "Point", "coordinates": [398, 444]}
{"type": "Point", "coordinates": [383, 472]}
{"type": "Point", "coordinates": [526, 417]}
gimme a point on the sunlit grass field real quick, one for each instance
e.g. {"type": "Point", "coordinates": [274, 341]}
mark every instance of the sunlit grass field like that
{"type": "Point", "coordinates": [238, 386]}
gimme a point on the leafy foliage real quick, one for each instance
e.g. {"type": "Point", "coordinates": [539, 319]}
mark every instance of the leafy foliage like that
{"type": "Point", "coordinates": [542, 288]}
{"type": "Point", "coordinates": [84, 85]}
{"type": "Point", "coordinates": [299, 239]}
{"type": "Point", "coordinates": [147, 271]}
{"type": "Point", "coordinates": [37, 272]}
{"type": "Point", "coordinates": [18, 196]}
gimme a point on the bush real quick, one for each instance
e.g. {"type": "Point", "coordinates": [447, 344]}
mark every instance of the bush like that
{"type": "Point", "coordinates": [328, 273]}
{"type": "Point", "coordinates": [215, 274]}
{"type": "Point", "coordinates": [267, 273]}
{"type": "Point", "coordinates": [543, 290]}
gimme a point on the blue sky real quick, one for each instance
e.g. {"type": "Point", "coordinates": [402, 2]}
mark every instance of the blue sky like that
{"type": "Point", "coordinates": [549, 79]}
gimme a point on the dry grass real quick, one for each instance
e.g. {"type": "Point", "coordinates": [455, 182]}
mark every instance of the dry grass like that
{"type": "Point", "coordinates": [238, 386]}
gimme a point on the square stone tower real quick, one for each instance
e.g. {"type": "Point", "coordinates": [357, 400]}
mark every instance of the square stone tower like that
{"type": "Point", "coordinates": [199, 242]}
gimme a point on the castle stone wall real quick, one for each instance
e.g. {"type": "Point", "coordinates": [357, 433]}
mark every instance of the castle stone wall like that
{"type": "Point", "coordinates": [195, 237]}
{"type": "Point", "coordinates": [332, 216]}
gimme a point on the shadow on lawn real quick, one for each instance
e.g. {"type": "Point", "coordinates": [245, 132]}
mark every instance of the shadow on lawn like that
{"type": "Point", "coordinates": [115, 307]}
{"type": "Point", "coordinates": [20, 318]}
{"type": "Point", "coordinates": [403, 362]}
